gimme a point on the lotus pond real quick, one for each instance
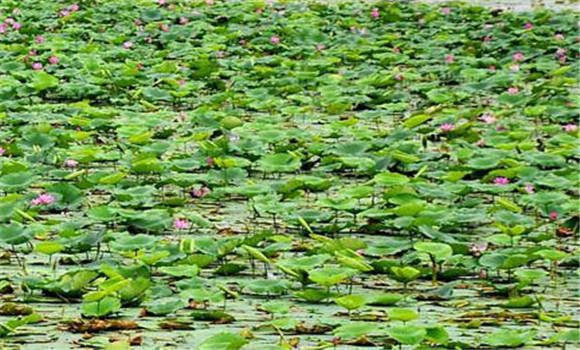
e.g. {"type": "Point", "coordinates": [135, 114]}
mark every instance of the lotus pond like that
{"type": "Point", "coordinates": [217, 175]}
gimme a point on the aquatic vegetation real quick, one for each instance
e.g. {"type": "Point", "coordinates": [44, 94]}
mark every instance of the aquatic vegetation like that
{"type": "Point", "coordinates": [288, 174]}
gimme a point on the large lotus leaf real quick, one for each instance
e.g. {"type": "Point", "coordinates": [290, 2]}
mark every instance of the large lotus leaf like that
{"type": "Point", "coordinates": [14, 234]}
{"type": "Point", "coordinates": [127, 242]}
{"type": "Point", "coordinates": [281, 162]}
{"type": "Point", "coordinates": [391, 179]}
{"type": "Point", "coordinates": [409, 334]}
{"type": "Point", "coordinates": [13, 167]}
{"type": "Point", "coordinates": [360, 163]}
{"type": "Point", "coordinates": [329, 276]}
{"type": "Point", "coordinates": [509, 338]}
{"type": "Point", "coordinates": [67, 195]}
{"type": "Point", "coordinates": [268, 287]}
{"type": "Point", "coordinates": [135, 290]}
{"type": "Point", "coordinates": [42, 80]}
{"type": "Point", "coordinates": [351, 302]}
{"type": "Point", "coordinates": [400, 314]}
{"type": "Point", "coordinates": [481, 163]}
{"type": "Point", "coordinates": [438, 250]}
{"type": "Point", "coordinates": [164, 306]}
{"type": "Point", "coordinates": [406, 273]}
{"type": "Point", "coordinates": [224, 340]}
{"type": "Point", "coordinates": [103, 213]}
{"type": "Point", "coordinates": [7, 211]}
{"type": "Point", "coordinates": [152, 220]}
{"type": "Point", "coordinates": [437, 335]}
{"type": "Point", "coordinates": [146, 166]}
{"type": "Point", "coordinates": [202, 295]}
{"type": "Point", "coordinates": [100, 308]}
{"type": "Point", "coordinates": [338, 203]}
{"type": "Point", "coordinates": [16, 181]}
{"type": "Point", "coordinates": [351, 149]}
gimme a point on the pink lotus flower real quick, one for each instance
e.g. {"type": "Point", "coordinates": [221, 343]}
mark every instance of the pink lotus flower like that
{"type": "Point", "coordinates": [559, 36]}
{"type": "Point", "coordinates": [513, 90]}
{"type": "Point", "coordinates": [446, 127]}
{"type": "Point", "coordinates": [164, 27]}
{"type": "Point", "coordinates": [480, 143]}
{"type": "Point", "coordinates": [1, 151]}
{"type": "Point", "coordinates": [553, 215]}
{"type": "Point", "coordinates": [488, 119]}
{"type": "Point", "coordinates": [70, 163]}
{"type": "Point", "coordinates": [570, 127]}
{"type": "Point", "coordinates": [37, 66]}
{"type": "Point", "coordinates": [562, 58]}
{"type": "Point", "coordinates": [487, 38]}
{"type": "Point", "coordinates": [200, 193]}
{"type": "Point", "coordinates": [501, 181]}
{"type": "Point", "coordinates": [320, 47]}
{"type": "Point", "coordinates": [375, 13]}
{"type": "Point", "coordinates": [53, 60]}
{"type": "Point", "coordinates": [445, 10]}
{"type": "Point", "coordinates": [127, 44]}
{"type": "Point", "coordinates": [181, 224]}
{"type": "Point", "coordinates": [500, 128]}
{"type": "Point", "coordinates": [9, 20]}
{"type": "Point", "coordinates": [242, 42]}
{"type": "Point", "coordinates": [16, 26]}
{"type": "Point", "coordinates": [183, 20]}
{"type": "Point", "coordinates": [209, 2]}
{"type": "Point", "coordinates": [518, 56]}
{"type": "Point", "coordinates": [560, 51]}
{"type": "Point", "coordinates": [396, 50]}
{"type": "Point", "coordinates": [39, 39]}
{"type": "Point", "coordinates": [449, 58]}
{"type": "Point", "coordinates": [209, 161]}
{"type": "Point", "coordinates": [182, 116]}
{"type": "Point", "coordinates": [161, 2]}
{"type": "Point", "coordinates": [32, 53]}
{"type": "Point", "coordinates": [181, 82]}
{"type": "Point", "coordinates": [492, 68]}
{"type": "Point", "coordinates": [528, 26]}
{"type": "Point", "coordinates": [220, 54]}
{"type": "Point", "coordinates": [274, 40]}
{"type": "Point", "coordinates": [515, 67]}
{"type": "Point", "coordinates": [530, 189]}
{"type": "Point", "coordinates": [259, 11]}
{"type": "Point", "coordinates": [64, 13]}
{"type": "Point", "coordinates": [137, 22]}
{"type": "Point", "coordinates": [74, 7]}
{"type": "Point", "coordinates": [43, 199]}
{"type": "Point", "coordinates": [3, 27]}
{"type": "Point", "coordinates": [399, 77]}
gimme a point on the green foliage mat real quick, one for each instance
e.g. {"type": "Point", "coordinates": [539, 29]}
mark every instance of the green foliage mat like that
{"type": "Point", "coordinates": [244, 174]}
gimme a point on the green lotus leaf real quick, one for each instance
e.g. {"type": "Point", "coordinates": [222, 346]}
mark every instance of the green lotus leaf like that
{"type": "Point", "coordinates": [409, 334]}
